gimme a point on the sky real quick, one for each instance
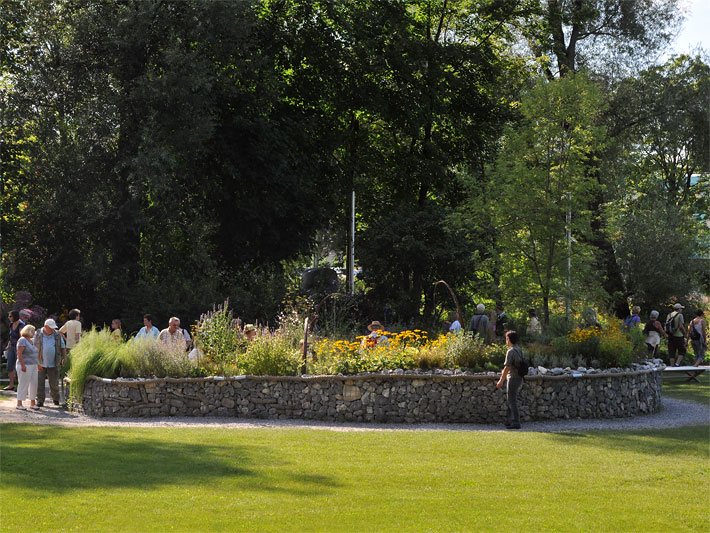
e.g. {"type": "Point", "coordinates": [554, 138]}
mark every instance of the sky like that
{"type": "Point", "coordinates": [696, 28]}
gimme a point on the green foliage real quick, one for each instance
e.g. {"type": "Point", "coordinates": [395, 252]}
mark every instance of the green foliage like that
{"type": "Point", "coordinates": [218, 338]}
{"type": "Point", "coordinates": [541, 176]}
{"type": "Point", "coordinates": [270, 355]}
{"type": "Point", "coordinates": [468, 351]}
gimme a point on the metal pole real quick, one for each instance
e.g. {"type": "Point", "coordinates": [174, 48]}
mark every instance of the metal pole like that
{"type": "Point", "coordinates": [304, 354]}
{"type": "Point", "coordinates": [351, 247]}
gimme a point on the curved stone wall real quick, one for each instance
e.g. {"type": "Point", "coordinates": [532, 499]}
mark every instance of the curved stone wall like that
{"type": "Point", "coordinates": [407, 398]}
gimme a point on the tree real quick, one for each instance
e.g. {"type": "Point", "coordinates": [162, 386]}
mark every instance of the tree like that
{"type": "Point", "coordinates": [658, 225]}
{"type": "Point", "coordinates": [575, 32]}
{"type": "Point", "coordinates": [540, 178]}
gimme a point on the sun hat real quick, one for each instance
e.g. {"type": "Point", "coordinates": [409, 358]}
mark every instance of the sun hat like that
{"type": "Point", "coordinates": [678, 307]}
{"type": "Point", "coordinates": [51, 323]}
{"type": "Point", "coordinates": [374, 325]}
{"type": "Point", "coordinates": [249, 327]}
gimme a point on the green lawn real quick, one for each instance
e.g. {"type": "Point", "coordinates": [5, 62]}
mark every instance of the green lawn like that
{"type": "Point", "coordinates": [677, 387]}
{"type": "Point", "coordinates": [182, 479]}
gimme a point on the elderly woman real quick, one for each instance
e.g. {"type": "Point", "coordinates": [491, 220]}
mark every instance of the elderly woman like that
{"type": "Point", "coordinates": [653, 331]}
{"type": "Point", "coordinates": [26, 368]}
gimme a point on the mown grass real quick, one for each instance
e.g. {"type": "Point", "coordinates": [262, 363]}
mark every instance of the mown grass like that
{"type": "Point", "coordinates": [127, 479]}
{"type": "Point", "coordinates": [678, 387]}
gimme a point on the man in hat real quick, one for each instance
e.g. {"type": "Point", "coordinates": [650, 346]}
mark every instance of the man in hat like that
{"type": "Point", "coordinates": [675, 327]}
{"type": "Point", "coordinates": [51, 352]}
{"type": "Point", "coordinates": [375, 337]}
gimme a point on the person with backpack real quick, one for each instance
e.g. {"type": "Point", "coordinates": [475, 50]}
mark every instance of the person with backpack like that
{"type": "Point", "coordinates": [675, 329]}
{"type": "Point", "coordinates": [653, 331]}
{"type": "Point", "coordinates": [175, 336]}
{"type": "Point", "coordinates": [698, 337]}
{"type": "Point", "coordinates": [515, 368]}
{"type": "Point", "coordinates": [479, 323]}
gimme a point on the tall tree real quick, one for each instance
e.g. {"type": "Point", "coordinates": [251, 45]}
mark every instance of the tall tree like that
{"type": "Point", "coordinates": [542, 186]}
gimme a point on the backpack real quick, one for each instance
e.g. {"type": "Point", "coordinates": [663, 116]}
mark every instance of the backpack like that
{"type": "Point", "coordinates": [694, 334]}
{"type": "Point", "coordinates": [669, 327]}
{"type": "Point", "coordinates": [523, 365]}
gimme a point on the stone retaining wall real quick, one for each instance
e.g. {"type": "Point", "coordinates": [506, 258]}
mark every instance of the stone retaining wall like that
{"type": "Point", "coordinates": [377, 398]}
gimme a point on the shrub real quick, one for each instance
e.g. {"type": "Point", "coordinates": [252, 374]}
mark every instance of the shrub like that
{"type": "Point", "coordinates": [431, 357]}
{"type": "Point", "coordinates": [269, 355]}
{"type": "Point", "coordinates": [218, 339]}
{"type": "Point", "coordinates": [465, 350]}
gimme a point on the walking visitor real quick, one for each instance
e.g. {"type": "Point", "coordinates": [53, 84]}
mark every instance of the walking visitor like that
{"type": "Point", "coordinates": [653, 331]}
{"type": "Point", "coordinates": [675, 329]}
{"type": "Point", "coordinates": [698, 337]}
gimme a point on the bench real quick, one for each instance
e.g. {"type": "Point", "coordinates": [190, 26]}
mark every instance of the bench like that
{"type": "Point", "coordinates": [691, 371]}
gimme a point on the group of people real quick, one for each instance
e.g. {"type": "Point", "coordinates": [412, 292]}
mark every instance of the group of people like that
{"type": "Point", "coordinates": [35, 356]}
{"type": "Point", "coordinates": [494, 324]}
{"type": "Point", "coordinates": [676, 331]}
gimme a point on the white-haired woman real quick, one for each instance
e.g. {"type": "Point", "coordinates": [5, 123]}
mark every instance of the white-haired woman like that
{"type": "Point", "coordinates": [26, 367]}
{"type": "Point", "coordinates": [653, 331]}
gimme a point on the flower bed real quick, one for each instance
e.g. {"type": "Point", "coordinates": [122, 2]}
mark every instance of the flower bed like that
{"type": "Point", "coordinates": [387, 397]}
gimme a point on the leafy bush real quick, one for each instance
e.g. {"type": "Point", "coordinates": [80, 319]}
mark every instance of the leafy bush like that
{"type": "Point", "coordinates": [218, 339]}
{"type": "Point", "coordinates": [270, 355]}
{"type": "Point", "coordinates": [465, 350]}
{"type": "Point", "coordinates": [605, 347]}
{"type": "Point", "coordinates": [431, 357]}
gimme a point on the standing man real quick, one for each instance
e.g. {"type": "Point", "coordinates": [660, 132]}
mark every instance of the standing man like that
{"type": "Point", "coordinates": [174, 335]}
{"type": "Point", "coordinates": [511, 376]}
{"type": "Point", "coordinates": [72, 329]}
{"type": "Point", "coordinates": [52, 350]}
{"type": "Point", "coordinates": [148, 331]}
{"type": "Point", "coordinates": [675, 327]}
{"type": "Point", "coordinates": [16, 325]}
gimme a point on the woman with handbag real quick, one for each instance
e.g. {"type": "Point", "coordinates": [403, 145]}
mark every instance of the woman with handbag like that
{"type": "Point", "coordinates": [27, 360]}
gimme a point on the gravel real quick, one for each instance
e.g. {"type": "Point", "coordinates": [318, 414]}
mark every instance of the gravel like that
{"type": "Point", "coordinates": [674, 413]}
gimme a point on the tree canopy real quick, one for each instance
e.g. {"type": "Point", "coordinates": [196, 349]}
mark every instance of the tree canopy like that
{"type": "Point", "coordinates": [160, 156]}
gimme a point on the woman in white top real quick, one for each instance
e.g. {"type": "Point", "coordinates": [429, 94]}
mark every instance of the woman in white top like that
{"type": "Point", "coordinates": [26, 367]}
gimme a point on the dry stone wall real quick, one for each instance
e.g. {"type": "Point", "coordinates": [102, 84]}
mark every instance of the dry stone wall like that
{"type": "Point", "coordinates": [377, 398]}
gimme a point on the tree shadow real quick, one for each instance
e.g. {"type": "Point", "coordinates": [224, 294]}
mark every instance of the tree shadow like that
{"type": "Point", "coordinates": [58, 460]}
{"type": "Point", "coordinates": [684, 441]}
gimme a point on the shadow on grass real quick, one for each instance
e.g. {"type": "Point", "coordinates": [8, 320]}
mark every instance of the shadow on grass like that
{"type": "Point", "coordinates": [662, 443]}
{"type": "Point", "coordinates": [61, 460]}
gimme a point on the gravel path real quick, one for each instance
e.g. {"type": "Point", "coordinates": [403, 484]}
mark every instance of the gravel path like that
{"type": "Point", "coordinates": [674, 413]}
